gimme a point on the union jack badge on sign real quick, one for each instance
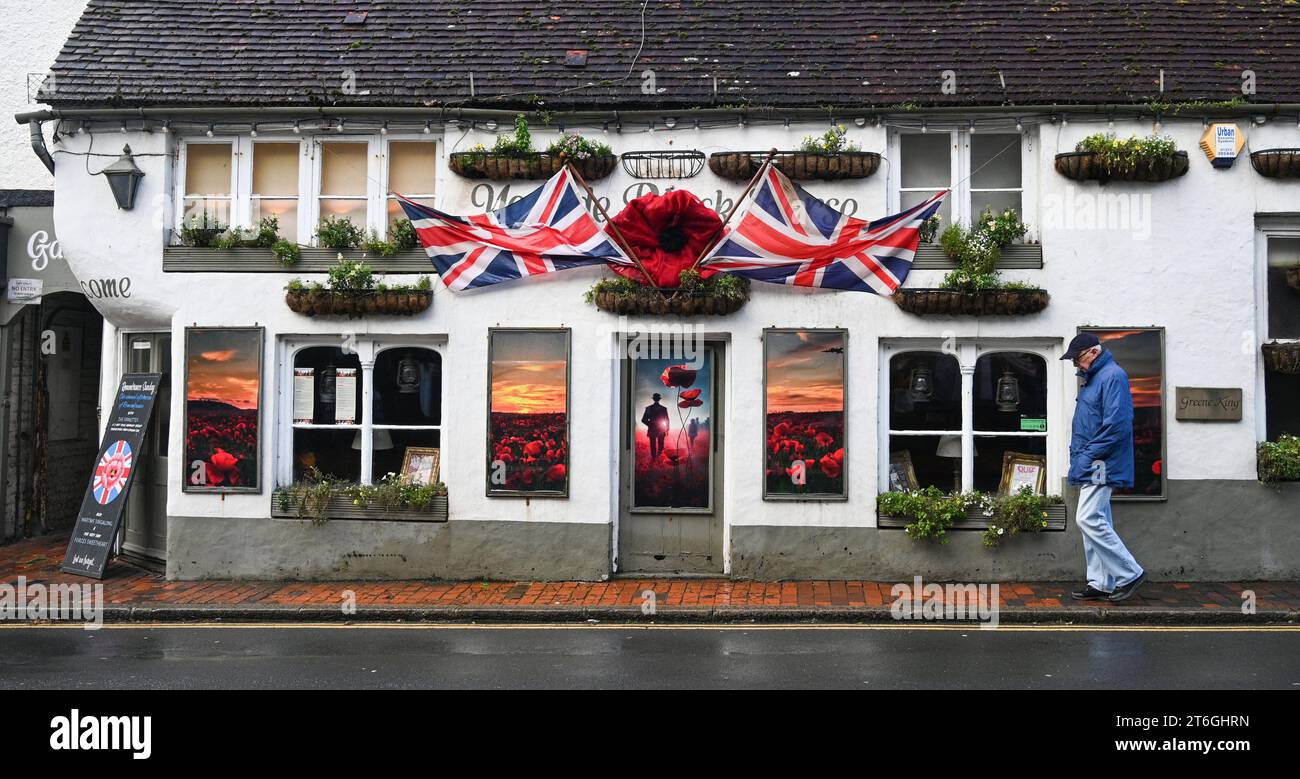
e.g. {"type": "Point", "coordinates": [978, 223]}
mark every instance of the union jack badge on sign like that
{"type": "Point", "coordinates": [112, 473]}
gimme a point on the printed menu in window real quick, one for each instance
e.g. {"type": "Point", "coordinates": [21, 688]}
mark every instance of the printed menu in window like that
{"type": "Point", "coordinates": [345, 397]}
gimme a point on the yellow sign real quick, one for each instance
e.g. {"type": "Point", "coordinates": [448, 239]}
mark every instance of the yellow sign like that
{"type": "Point", "coordinates": [1222, 142]}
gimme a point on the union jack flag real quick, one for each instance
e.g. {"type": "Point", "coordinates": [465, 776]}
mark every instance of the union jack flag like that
{"type": "Point", "coordinates": [787, 236]}
{"type": "Point", "coordinates": [547, 230]}
{"type": "Point", "coordinates": [112, 473]}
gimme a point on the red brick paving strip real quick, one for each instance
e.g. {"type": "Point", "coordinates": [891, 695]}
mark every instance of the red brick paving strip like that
{"type": "Point", "coordinates": [127, 585]}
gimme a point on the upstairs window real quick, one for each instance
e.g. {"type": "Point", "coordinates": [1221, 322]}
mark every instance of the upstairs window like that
{"type": "Point", "coordinates": [344, 181]}
{"type": "Point", "coordinates": [275, 186]}
{"type": "Point", "coordinates": [209, 184]}
{"type": "Point", "coordinates": [983, 170]}
{"type": "Point", "coordinates": [412, 168]}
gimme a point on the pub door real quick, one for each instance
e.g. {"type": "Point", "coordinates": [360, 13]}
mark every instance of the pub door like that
{"type": "Point", "coordinates": [145, 537]}
{"type": "Point", "coordinates": [671, 445]}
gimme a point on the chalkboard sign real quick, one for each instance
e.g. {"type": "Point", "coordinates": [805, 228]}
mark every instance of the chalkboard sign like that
{"type": "Point", "coordinates": [115, 467]}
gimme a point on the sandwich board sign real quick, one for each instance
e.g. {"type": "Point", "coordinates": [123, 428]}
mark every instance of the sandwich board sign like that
{"type": "Point", "coordinates": [115, 469]}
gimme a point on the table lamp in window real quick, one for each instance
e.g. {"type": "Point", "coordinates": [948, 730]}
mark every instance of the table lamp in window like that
{"type": "Point", "coordinates": [950, 447]}
{"type": "Point", "coordinates": [382, 440]}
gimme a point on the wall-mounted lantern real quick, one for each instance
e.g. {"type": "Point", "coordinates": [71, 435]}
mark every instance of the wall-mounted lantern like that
{"type": "Point", "coordinates": [124, 179]}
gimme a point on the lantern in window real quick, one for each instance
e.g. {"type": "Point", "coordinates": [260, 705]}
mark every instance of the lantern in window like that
{"type": "Point", "coordinates": [1008, 396]}
{"type": "Point", "coordinates": [325, 390]}
{"type": "Point", "coordinates": [920, 384]}
{"type": "Point", "coordinates": [408, 375]}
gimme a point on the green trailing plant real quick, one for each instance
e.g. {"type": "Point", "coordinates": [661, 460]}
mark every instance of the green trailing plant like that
{"type": "Point", "coordinates": [930, 228]}
{"type": "Point", "coordinates": [579, 148]}
{"type": "Point", "coordinates": [200, 231]}
{"type": "Point", "coordinates": [351, 277]}
{"type": "Point", "coordinates": [719, 285]}
{"type": "Point", "coordinates": [268, 232]}
{"type": "Point", "coordinates": [234, 238]}
{"type": "Point", "coordinates": [517, 144]}
{"type": "Point", "coordinates": [617, 286]}
{"type": "Point", "coordinates": [311, 496]}
{"type": "Point", "coordinates": [832, 141]}
{"type": "Point", "coordinates": [286, 253]}
{"type": "Point", "coordinates": [1123, 154]}
{"type": "Point", "coordinates": [338, 232]}
{"type": "Point", "coordinates": [931, 510]}
{"type": "Point", "coordinates": [976, 250]}
{"type": "Point", "coordinates": [1023, 512]}
{"type": "Point", "coordinates": [402, 233]}
{"type": "Point", "coordinates": [394, 492]}
{"type": "Point", "coordinates": [381, 247]}
{"type": "Point", "coordinates": [1279, 460]}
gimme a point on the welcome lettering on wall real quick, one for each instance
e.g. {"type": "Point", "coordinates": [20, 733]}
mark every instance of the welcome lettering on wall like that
{"type": "Point", "coordinates": [489, 197]}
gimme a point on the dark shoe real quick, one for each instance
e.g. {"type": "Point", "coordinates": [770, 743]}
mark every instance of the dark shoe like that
{"type": "Point", "coordinates": [1089, 593]}
{"type": "Point", "coordinates": [1126, 592]}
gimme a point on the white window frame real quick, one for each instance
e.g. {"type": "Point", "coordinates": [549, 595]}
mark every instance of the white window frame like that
{"type": "Point", "coordinates": [242, 149]}
{"type": "Point", "coordinates": [181, 190]}
{"type": "Point", "coordinates": [367, 348]}
{"type": "Point", "coordinates": [959, 173]}
{"type": "Point", "coordinates": [967, 351]}
{"type": "Point", "coordinates": [374, 192]}
{"type": "Point", "coordinates": [1268, 227]}
{"type": "Point", "coordinates": [384, 157]}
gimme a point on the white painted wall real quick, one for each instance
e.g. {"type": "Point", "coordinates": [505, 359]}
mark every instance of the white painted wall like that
{"type": "Point", "coordinates": [31, 36]}
{"type": "Point", "coordinates": [1194, 275]}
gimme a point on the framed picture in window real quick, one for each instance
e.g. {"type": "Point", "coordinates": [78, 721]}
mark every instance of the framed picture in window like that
{"type": "Point", "coordinates": [803, 392]}
{"type": "Point", "coordinates": [1020, 470]}
{"type": "Point", "coordinates": [223, 391]}
{"type": "Point", "coordinates": [528, 412]}
{"type": "Point", "coordinates": [420, 465]}
{"type": "Point", "coordinates": [1140, 351]}
{"type": "Point", "coordinates": [902, 476]}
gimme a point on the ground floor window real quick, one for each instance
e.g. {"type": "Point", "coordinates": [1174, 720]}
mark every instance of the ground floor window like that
{"type": "Point", "coordinates": [362, 408]}
{"type": "Point", "coordinates": [962, 416]}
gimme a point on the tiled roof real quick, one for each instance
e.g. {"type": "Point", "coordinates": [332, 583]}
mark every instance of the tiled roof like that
{"type": "Point", "coordinates": [760, 52]}
{"type": "Point", "coordinates": [26, 198]}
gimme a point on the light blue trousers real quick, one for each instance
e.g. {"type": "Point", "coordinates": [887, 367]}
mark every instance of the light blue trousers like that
{"type": "Point", "coordinates": [1110, 564]}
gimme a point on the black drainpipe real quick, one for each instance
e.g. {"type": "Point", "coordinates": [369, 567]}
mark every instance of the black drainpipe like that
{"type": "Point", "coordinates": [38, 144]}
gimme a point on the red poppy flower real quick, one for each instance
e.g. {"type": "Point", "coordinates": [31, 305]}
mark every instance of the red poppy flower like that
{"type": "Point", "coordinates": [223, 468]}
{"type": "Point", "coordinates": [668, 232]}
{"type": "Point", "coordinates": [781, 430]}
{"type": "Point", "coordinates": [534, 448]}
{"type": "Point", "coordinates": [556, 472]}
{"type": "Point", "coordinates": [691, 394]}
{"type": "Point", "coordinates": [689, 403]}
{"type": "Point", "coordinates": [1157, 467]}
{"type": "Point", "coordinates": [825, 439]}
{"type": "Point", "coordinates": [838, 454]}
{"type": "Point", "coordinates": [830, 466]}
{"type": "Point", "coordinates": [678, 376]}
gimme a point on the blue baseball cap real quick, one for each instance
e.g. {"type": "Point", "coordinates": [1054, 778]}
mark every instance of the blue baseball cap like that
{"type": "Point", "coordinates": [1080, 344]}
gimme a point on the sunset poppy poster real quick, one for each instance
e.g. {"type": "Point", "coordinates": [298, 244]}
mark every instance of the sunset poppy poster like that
{"type": "Point", "coordinates": [528, 426]}
{"type": "Point", "coordinates": [804, 393]}
{"type": "Point", "coordinates": [223, 387]}
{"type": "Point", "coordinates": [1140, 351]}
{"type": "Point", "coordinates": [672, 411]}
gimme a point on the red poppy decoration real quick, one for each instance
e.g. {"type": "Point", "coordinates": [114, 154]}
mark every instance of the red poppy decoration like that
{"type": "Point", "coordinates": [689, 403]}
{"type": "Point", "coordinates": [830, 466]}
{"type": "Point", "coordinates": [668, 232]}
{"type": "Point", "coordinates": [223, 468]}
{"type": "Point", "coordinates": [690, 394]}
{"type": "Point", "coordinates": [678, 376]}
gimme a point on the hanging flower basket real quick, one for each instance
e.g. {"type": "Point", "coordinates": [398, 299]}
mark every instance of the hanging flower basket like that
{"type": "Point", "coordinates": [989, 302]}
{"type": "Point", "coordinates": [1088, 166]}
{"type": "Point", "coordinates": [1276, 163]}
{"type": "Point", "coordinates": [325, 302]}
{"type": "Point", "coordinates": [798, 165]}
{"type": "Point", "coordinates": [668, 302]}
{"type": "Point", "coordinates": [501, 167]}
{"type": "Point", "coordinates": [1282, 357]}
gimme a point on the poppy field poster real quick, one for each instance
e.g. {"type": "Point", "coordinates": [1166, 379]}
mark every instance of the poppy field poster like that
{"type": "Point", "coordinates": [1140, 351]}
{"type": "Point", "coordinates": [223, 390]}
{"type": "Point", "coordinates": [804, 393]}
{"type": "Point", "coordinates": [672, 410]}
{"type": "Point", "coordinates": [528, 426]}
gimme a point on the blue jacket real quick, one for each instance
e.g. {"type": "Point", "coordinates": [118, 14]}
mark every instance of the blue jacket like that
{"type": "Point", "coordinates": [1103, 425]}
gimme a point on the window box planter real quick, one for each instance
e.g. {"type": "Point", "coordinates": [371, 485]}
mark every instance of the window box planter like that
{"type": "Point", "coordinates": [286, 505]}
{"type": "Point", "coordinates": [975, 520]}
{"type": "Point", "coordinates": [539, 165]}
{"type": "Point", "coordinates": [377, 303]}
{"type": "Point", "coordinates": [655, 303]}
{"type": "Point", "coordinates": [1087, 166]}
{"type": "Point", "coordinates": [1276, 163]}
{"type": "Point", "coordinates": [991, 302]}
{"type": "Point", "coordinates": [663, 164]}
{"type": "Point", "coordinates": [1282, 357]}
{"type": "Point", "coordinates": [798, 165]}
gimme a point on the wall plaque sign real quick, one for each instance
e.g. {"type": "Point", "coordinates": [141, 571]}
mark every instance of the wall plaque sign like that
{"type": "Point", "coordinates": [1208, 404]}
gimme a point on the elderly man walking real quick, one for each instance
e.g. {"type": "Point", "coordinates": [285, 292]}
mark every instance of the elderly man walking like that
{"type": "Point", "coordinates": [1101, 459]}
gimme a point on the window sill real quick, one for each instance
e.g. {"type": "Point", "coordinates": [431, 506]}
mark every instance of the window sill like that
{"type": "Point", "coordinates": [342, 507]}
{"type": "Point", "coordinates": [1057, 515]}
{"type": "Point", "coordinates": [1018, 256]}
{"type": "Point", "coordinates": [187, 259]}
